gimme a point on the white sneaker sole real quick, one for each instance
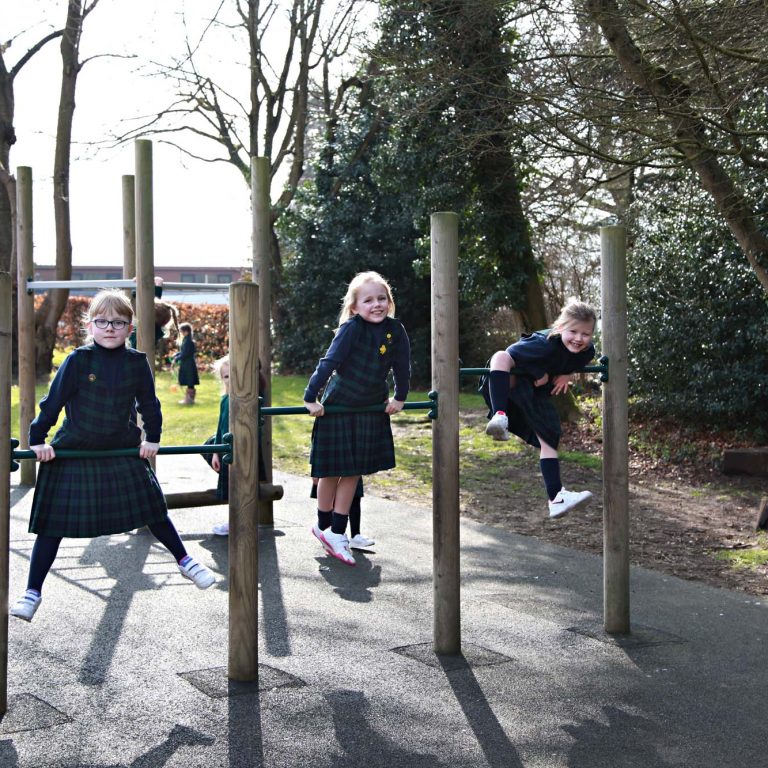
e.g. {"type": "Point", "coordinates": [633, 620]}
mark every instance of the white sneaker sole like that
{"type": "Point", "coordinates": [497, 432]}
{"type": "Point", "coordinates": [566, 509]}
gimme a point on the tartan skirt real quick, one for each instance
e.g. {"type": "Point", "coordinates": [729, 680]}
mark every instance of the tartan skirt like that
{"type": "Point", "coordinates": [347, 444]}
{"type": "Point", "coordinates": [83, 498]}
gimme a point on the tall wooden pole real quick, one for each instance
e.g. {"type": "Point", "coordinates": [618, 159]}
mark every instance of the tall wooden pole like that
{"type": "Point", "coordinates": [445, 433]}
{"type": "Point", "coordinates": [26, 315]}
{"type": "Point", "coordinates": [615, 432]}
{"type": "Point", "coordinates": [261, 211]}
{"type": "Point", "coordinates": [145, 252]}
{"type": "Point", "coordinates": [6, 331]}
{"type": "Point", "coordinates": [129, 226]}
{"type": "Point", "coordinates": [244, 481]}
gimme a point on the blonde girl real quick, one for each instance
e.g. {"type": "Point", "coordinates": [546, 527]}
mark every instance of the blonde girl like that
{"type": "Point", "coordinates": [520, 403]}
{"type": "Point", "coordinates": [368, 344]}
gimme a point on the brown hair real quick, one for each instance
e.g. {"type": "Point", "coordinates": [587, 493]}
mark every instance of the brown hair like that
{"type": "Point", "coordinates": [165, 313]}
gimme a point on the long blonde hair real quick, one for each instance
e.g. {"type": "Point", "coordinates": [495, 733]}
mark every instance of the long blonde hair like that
{"type": "Point", "coordinates": [357, 282]}
{"type": "Point", "coordinates": [574, 311]}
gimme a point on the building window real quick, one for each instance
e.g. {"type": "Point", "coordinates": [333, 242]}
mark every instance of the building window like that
{"type": "Point", "coordinates": [224, 277]}
{"type": "Point", "coordinates": [191, 277]}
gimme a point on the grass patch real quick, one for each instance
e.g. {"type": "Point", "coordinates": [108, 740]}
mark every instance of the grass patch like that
{"type": "Point", "coordinates": [751, 558]}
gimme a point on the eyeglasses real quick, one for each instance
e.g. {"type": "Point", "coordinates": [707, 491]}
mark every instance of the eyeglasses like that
{"type": "Point", "coordinates": [103, 324]}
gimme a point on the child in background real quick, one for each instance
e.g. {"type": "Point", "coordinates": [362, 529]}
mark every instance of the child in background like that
{"type": "Point", "coordinates": [357, 540]}
{"type": "Point", "coordinates": [368, 343]}
{"type": "Point", "coordinates": [521, 402]}
{"type": "Point", "coordinates": [221, 370]}
{"type": "Point", "coordinates": [101, 386]}
{"type": "Point", "coordinates": [188, 376]}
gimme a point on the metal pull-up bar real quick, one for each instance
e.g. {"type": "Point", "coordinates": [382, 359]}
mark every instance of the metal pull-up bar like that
{"type": "Point", "coordinates": [46, 285]}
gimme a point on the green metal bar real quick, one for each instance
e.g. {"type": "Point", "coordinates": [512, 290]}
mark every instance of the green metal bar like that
{"type": "Point", "coordinates": [289, 410]}
{"type": "Point", "coordinates": [602, 369]}
{"type": "Point", "coordinates": [224, 448]}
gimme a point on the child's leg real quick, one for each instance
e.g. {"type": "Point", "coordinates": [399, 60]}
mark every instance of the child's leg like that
{"type": "Point", "coordinates": [44, 553]}
{"type": "Point", "coordinates": [550, 469]}
{"type": "Point", "coordinates": [345, 493]}
{"type": "Point", "coordinates": [498, 390]}
{"type": "Point", "coordinates": [354, 517]}
{"type": "Point", "coordinates": [165, 532]}
{"type": "Point", "coordinates": [560, 500]}
{"type": "Point", "coordinates": [324, 514]}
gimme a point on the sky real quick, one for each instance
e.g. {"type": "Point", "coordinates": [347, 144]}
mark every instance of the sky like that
{"type": "Point", "coordinates": [201, 210]}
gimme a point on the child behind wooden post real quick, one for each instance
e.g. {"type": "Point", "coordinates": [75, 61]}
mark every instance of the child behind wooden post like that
{"type": "Point", "coordinates": [101, 386]}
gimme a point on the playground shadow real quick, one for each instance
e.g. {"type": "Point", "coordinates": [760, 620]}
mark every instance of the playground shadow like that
{"type": "Point", "coordinates": [362, 745]}
{"type": "Point", "coordinates": [498, 749]}
{"type": "Point", "coordinates": [245, 745]}
{"type": "Point", "coordinates": [272, 603]}
{"type": "Point", "coordinates": [103, 551]}
{"type": "Point", "coordinates": [625, 741]}
{"type": "Point", "coordinates": [353, 584]}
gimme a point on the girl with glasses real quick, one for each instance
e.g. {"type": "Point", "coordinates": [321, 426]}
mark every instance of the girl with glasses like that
{"type": "Point", "coordinates": [101, 386]}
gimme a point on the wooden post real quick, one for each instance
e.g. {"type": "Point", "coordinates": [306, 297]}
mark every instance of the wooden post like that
{"type": "Point", "coordinates": [6, 331]}
{"type": "Point", "coordinates": [129, 226]}
{"type": "Point", "coordinates": [445, 433]}
{"type": "Point", "coordinates": [244, 481]}
{"type": "Point", "coordinates": [145, 253]}
{"type": "Point", "coordinates": [26, 316]}
{"type": "Point", "coordinates": [261, 211]}
{"type": "Point", "coordinates": [615, 432]}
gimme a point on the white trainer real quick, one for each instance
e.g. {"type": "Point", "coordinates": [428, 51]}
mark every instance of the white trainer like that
{"type": "Point", "coordinates": [26, 605]}
{"type": "Point", "coordinates": [497, 427]}
{"type": "Point", "coordinates": [221, 529]}
{"type": "Point", "coordinates": [197, 573]}
{"type": "Point", "coordinates": [360, 542]}
{"type": "Point", "coordinates": [565, 501]}
{"type": "Point", "coordinates": [318, 533]}
{"type": "Point", "coordinates": [338, 546]}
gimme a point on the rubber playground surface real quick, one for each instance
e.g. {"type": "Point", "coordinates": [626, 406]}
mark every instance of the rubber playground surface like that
{"type": "Point", "coordinates": [125, 663]}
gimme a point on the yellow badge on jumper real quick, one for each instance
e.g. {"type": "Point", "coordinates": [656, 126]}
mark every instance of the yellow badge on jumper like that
{"type": "Point", "coordinates": [91, 377]}
{"type": "Point", "coordinates": [382, 349]}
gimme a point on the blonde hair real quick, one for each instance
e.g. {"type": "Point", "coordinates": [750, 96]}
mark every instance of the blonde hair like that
{"type": "Point", "coordinates": [574, 311]}
{"type": "Point", "coordinates": [357, 282]}
{"type": "Point", "coordinates": [218, 365]}
{"type": "Point", "coordinates": [108, 301]}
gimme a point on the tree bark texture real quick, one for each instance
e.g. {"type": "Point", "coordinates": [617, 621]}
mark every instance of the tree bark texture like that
{"type": "Point", "coordinates": [47, 316]}
{"type": "Point", "coordinates": [673, 99]}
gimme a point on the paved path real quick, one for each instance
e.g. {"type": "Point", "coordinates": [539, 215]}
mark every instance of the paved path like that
{"type": "Point", "coordinates": [125, 663]}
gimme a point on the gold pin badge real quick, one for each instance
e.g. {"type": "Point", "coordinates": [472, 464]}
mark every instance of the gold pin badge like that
{"type": "Point", "coordinates": [91, 377]}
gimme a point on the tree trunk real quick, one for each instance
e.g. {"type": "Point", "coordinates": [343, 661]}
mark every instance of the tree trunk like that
{"type": "Point", "coordinates": [47, 316]}
{"type": "Point", "coordinates": [673, 99]}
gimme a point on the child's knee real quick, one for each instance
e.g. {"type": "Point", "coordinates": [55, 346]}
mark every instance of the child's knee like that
{"type": "Point", "coordinates": [501, 361]}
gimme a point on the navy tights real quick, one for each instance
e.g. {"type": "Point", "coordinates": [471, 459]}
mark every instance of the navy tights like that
{"type": "Point", "coordinates": [46, 547]}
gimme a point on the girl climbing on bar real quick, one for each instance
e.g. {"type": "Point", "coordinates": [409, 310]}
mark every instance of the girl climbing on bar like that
{"type": "Point", "coordinates": [520, 402]}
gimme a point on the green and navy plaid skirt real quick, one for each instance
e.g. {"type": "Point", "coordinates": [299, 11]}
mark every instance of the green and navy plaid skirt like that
{"type": "Point", "coordinates": [347, 444]}
{"type": "Point", "coordinates": [529, 410]}
{"type": "Point", "coordinates": [82, 498]}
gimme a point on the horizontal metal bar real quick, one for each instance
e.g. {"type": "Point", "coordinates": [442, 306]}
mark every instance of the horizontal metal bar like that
{"type": "Point", "coordinates": [47, 285]}
{"type": "Point", "coordinates": [288, 410]}
{"type": "Point", "coordinates": [168, 450]}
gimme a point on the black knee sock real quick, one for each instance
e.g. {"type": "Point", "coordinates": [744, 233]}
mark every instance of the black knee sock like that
{"type": "Point", "coordinates": [498, 381]}
{"type": "Point", "coordinates": [339, 524]}
{"type": "Point", "coordinates": [550, 471]}
{"type": "Point", "coordinates": [166, 533]}
{"type": "Point", "coordinates": [354, 517]}
{"type": "Point", "coordinates": [44, 553]}
{"type": "Point", "coordinates": [324, 519]}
